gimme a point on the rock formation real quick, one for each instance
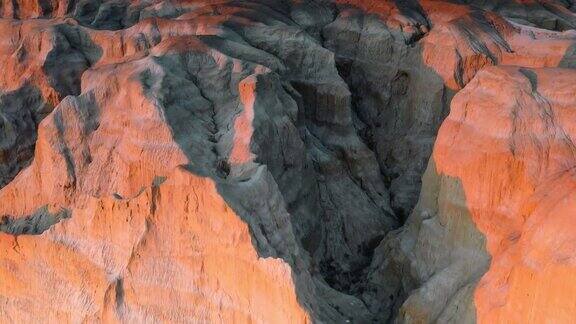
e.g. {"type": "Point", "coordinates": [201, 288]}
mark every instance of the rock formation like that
{"type": "Point", "coordinates": [280, 161]}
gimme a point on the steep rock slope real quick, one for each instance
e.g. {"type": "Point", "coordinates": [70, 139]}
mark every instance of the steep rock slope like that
{"type": "Point", "coordinates": [402, 87]}
{"type": "Point", "coordinates": [240, 161]}
{"type": "Point", "coordinates": [168, 94]}
{"type": "Point", "coordinates": [106, 154]}
{"type": "Point", "coordinates": [497, 196]}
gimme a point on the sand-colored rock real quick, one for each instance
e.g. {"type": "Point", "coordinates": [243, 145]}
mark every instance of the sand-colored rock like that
{"type": "Point", "coordinates": [242, 161]}
{"type": "Point", "coordinates": [526, 216]}
{"type": "Point", "coordinates": [488, 203]}
{"type": "Point", "coordinates": [175, 252]}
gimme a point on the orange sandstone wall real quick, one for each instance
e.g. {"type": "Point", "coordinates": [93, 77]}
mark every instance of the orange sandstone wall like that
{"type": "Point", "coordinates": [509, 139]}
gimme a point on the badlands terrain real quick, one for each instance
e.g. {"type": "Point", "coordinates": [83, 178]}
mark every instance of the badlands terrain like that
{"type": "Point", "coordinates": [287, 161]}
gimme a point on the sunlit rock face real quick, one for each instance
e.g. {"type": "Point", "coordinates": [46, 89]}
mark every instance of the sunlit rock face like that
{"type": "Point", "coordinates": [287, 161]}
{"type": "Point", "coordinates": [489, 237]}
{"type": "Point", "coordinates": [529, 140]}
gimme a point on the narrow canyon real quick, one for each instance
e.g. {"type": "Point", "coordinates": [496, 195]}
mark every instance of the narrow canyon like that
{"type": "Point", "coordinates": [288, 161]}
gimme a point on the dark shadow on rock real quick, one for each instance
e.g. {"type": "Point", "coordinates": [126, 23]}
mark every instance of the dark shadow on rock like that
{"type": "Point", "coordinates": [413, 10]}
{"type": "Point", "coordinates": [21, 111]}
{"type": "Point", "coordinates": [261, 194]}
{"type": "Point", "coordinates": [73, 53]}
{"type": "Point", "coordinates": [551, 15]}
{"type": "Point", "coordinates": [34, 224]}
{"type": "Point", "coordinates": [532, 77]}
{"type": "Point", "coordinates": [569, 59]}
{"type": "Point", "coordinates": [397, 104]}
{"type": "Point", "coordinates": [401, 126]}
{"type": "Point", "coordinates": [398, 101]}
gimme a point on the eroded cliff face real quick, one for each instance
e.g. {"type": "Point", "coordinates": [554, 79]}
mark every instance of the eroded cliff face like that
{"type": "Point", "coordinates": [279, 161]}
{"type": "Point", "coordinates": [493, 214]}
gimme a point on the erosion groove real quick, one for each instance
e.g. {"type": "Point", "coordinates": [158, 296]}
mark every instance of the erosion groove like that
{"type": "Point", "coordinates": [280, 161]}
